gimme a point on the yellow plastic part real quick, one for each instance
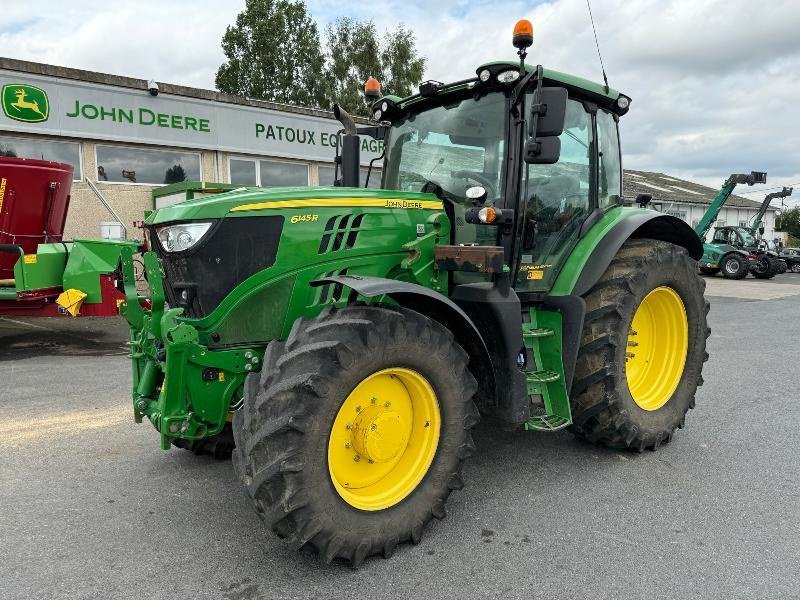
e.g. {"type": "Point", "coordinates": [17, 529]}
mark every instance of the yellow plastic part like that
{"type": "Point", "coordinates": [71, 300]}
{"type": "Point", "coordinates": [657, 346]}
{"type": "Point", "coordinates": [384, 438]}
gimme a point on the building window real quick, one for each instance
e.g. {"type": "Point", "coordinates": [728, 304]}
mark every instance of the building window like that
{"type": "Point", "coordinates": [267, 173]}
{"type": "Point", "coordinates": [243, 172]}
{"type": "Point", "coordinates": [63, 152]}
{"type": "Point", "coordinates": [326, 172]}
{"type": "Point", "coordinates": [282, 174]}
{"type": "Point", "coordinates": [121, 164]}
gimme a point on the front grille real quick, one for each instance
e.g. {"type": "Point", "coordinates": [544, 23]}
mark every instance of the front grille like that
{"type": "Point", "coordinates": [234, 249]}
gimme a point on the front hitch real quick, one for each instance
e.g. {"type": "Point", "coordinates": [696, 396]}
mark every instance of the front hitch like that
{"type": "Point", "coordinates": [181, 386]}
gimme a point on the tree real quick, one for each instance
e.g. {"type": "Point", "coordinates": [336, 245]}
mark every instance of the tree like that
{"type": "Point", "coordinates": [789, 221]}
{"type": "Point", "coordinates": [402, 67]}
{"type": "Point", "coordinates": [355, 53]}
{"type": "Point", "coordinates": [273, 53]}
{"type": "Point", "coordinates": [353, 56]}
{"type": "Point", "coordinates": [175, 174]}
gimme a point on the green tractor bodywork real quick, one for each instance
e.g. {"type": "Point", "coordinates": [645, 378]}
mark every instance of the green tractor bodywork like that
{"type": "Point", "coordinates": [500, 211]}
{"type": "Point", "coordinates": [189, 366]}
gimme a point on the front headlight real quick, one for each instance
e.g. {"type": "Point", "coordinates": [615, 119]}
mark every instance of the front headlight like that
{"type": "Point", "coordinates": [182, 236]}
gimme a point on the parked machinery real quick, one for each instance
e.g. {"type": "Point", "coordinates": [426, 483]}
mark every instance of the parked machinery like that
{"type": "Point", "coordinates": [40, 273]}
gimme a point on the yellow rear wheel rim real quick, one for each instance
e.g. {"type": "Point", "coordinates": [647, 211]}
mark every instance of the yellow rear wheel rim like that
{"type": "Point", "coordinates": [384, 438]}
{"type": "Point", "coordinates": [658, 341]}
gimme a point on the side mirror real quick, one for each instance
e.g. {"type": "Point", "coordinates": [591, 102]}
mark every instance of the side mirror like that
{"type": "Point", "coordinates": [643, 200]}
{"type": "Point", "coordinates": [544, 146]}
{"type": "Point", "coordinates": [542, 150]}
{"type": "Point", "coordinates": [552, 111]}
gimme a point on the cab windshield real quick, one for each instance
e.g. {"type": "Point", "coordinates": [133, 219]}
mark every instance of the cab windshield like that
{"type": "Point", "coordinates": [747, 238]}
{"type": "Point", "coordinates": [457, 146]}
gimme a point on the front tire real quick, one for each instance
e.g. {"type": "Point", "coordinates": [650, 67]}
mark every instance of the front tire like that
{"type": "Point", "coordinates": [633, 387]}
{"type": "Point", "coordinates": [324, 434]}
{"type": "Point", "coordinates": [734, 266]}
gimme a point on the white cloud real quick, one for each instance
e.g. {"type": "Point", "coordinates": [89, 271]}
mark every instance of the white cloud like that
{"type": "Point", "coordinates": [715, 83]}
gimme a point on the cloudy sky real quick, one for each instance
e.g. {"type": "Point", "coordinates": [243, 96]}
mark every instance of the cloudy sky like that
{"type": "Point", "coordinates": [715, 83]}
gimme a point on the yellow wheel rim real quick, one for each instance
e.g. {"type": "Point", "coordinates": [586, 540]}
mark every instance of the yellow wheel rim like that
{"type": "Point", "coordinates": [384, 439]}
{"type": "Point", "coordinates": [657, 345]}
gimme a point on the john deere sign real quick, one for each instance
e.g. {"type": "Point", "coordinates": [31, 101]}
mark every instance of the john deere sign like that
{"type": "Point", "coordinates": [61, 107]}
{"type": "Point", "coordinates": [25, 103]}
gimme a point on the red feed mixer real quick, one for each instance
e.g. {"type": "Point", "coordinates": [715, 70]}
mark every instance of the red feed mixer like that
{"type": "Point", "coordinates": [40, 273]}
{"type": "Point", "coordinates": [34, 198]}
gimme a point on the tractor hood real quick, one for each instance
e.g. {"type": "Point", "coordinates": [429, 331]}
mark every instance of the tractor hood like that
{"type": "Point", "coordinates": [246, 200]}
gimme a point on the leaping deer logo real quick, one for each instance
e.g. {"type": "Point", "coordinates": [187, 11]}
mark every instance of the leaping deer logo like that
{"type": "Point", "coordinates": [24, 102]}
{"type": "Point", "coordinates": [21, 104]}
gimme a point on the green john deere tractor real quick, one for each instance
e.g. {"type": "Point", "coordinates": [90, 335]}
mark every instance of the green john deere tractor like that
{"type": "Point", "coordinates": [350, 338]}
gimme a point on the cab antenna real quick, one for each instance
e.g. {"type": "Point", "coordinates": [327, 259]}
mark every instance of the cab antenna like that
{"type": "Point", "coordinates": [597, 45]}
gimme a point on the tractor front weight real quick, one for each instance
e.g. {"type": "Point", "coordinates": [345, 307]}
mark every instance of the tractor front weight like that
{"type": "Point", "coordinates": [182, 387]}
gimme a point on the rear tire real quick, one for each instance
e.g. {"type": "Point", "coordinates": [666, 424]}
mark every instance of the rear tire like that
{"type": "Point", "coordinates": [284, 431]}
{"type": "Point", "coordinates": [603, 407]}
{"type": "Point", "coordinates": [796, 268]}
{"type": "Point", "coordinates": [765, 268]}
{"type": "Point", "coordinates": [734, 266]}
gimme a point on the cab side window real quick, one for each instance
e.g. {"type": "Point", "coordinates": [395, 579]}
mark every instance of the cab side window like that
{"type": "Point", "coordinates": [610, 166]}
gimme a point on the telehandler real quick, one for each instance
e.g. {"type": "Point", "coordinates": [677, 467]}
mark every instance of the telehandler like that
{"type": "Point", "coordinates": [354, 336]}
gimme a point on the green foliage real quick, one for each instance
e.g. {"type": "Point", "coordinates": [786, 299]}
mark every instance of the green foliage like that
{"type": "Point", "coordinates": [274, 53]}
{"type": "Point", "coordinates": [789, 221]}
{"type": "Point", "coordinates": [402, 67]}
{"type": "Point", "coordinates": [175, 174]}
{"type": "Point", "coordinates": [353, 56]}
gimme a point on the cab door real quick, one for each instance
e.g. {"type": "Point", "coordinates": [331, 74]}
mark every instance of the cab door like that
{"type": "Point", "coordinates": [558, 198]}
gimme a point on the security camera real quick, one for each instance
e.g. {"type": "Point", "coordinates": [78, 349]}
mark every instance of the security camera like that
{"type": "Point", "coordinates": [152, 87]}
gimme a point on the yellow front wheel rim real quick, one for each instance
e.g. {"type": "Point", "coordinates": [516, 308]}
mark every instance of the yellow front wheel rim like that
{"type": "Point", "coordinates": [658, 341]}
{"type": "Point", "coordinates": [384, 438]}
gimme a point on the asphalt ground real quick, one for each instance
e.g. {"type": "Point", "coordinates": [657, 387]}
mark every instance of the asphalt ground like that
{"type": "Point", "coordinates": [90, 507]}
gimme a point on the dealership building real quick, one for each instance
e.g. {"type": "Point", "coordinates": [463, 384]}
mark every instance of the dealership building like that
{"type": "Point", "coordinates": [128, 142]}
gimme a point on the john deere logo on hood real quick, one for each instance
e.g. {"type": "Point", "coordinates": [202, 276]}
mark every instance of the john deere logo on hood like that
{"type": "Point", "coordinates": [26, 103]}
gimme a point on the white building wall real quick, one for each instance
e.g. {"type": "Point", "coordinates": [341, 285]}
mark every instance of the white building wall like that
{"type": "Point", "coordinates": [729, 215]}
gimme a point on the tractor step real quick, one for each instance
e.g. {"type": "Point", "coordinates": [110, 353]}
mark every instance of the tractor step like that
{"type": "Point", "coordinates": [546, 423]}
{"type": "Point", "coordinates": [545, 375]}
{"type": "Point", "coordinates": [537, 332]}
{"type": "Point", "coordinates": [542, 376]}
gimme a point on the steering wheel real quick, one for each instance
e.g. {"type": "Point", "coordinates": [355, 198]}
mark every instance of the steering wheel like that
{"type": "Point", "coordinates": [480, 178]}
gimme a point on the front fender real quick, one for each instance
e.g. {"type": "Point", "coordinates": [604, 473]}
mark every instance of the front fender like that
{"type": "Point", "coordinates": [598, 246]}
{"type": "Point", "coordinates": [433, 305]}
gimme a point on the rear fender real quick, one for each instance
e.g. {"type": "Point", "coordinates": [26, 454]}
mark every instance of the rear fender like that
{"type": "Point", "coordinates": [602, 249]}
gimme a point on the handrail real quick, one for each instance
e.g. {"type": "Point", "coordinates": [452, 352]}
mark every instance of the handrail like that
{"type": "Point", "coordinates": [108, 208]}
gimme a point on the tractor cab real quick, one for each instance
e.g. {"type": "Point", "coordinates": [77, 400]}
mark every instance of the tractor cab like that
{"type": "Point", "coordinates": [738, 237]}
{"type": "Point", "coordinates": [522, 158]}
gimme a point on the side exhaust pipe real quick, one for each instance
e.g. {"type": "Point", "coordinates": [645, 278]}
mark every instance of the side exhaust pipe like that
{"type": "Point", "coordinates": [350, 158]}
